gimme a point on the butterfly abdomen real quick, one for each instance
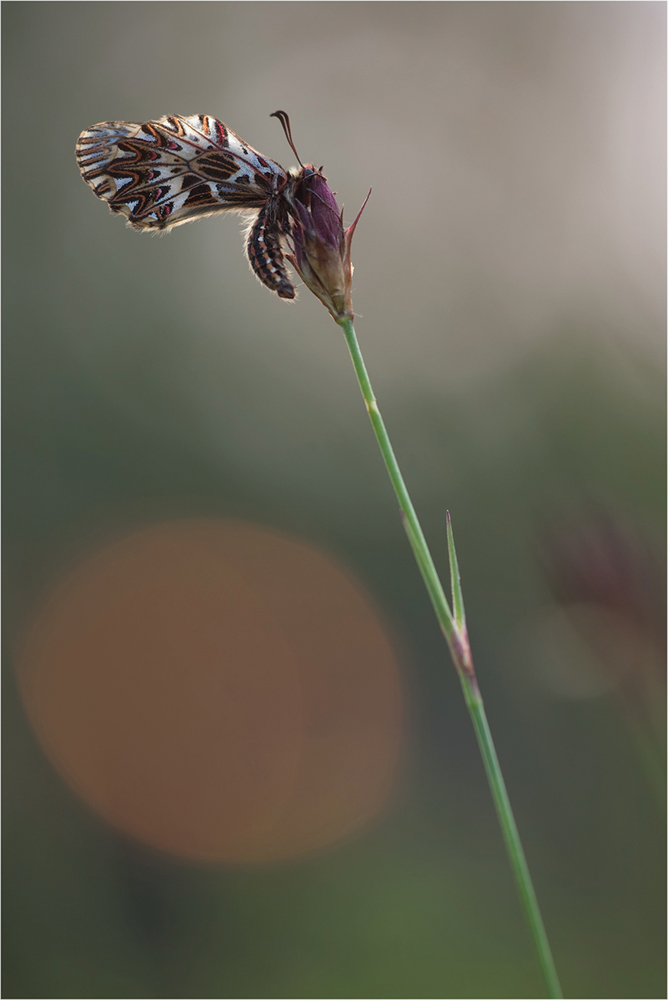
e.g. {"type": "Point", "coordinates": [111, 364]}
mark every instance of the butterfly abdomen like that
{"type": "Point", "coordinates": [266, 257]}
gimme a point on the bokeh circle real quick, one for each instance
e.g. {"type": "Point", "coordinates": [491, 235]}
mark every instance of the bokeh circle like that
{"type": "Point", "coordinates": [217, 690]}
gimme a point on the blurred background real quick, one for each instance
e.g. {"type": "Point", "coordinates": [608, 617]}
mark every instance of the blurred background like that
{"type": "Point", "coordinates": [237, 760]}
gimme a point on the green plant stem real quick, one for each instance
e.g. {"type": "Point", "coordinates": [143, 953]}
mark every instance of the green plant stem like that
{"type": "Point", "coordinates": [457, 640]}
{"type": "Point", "coordinates": [511, 835]}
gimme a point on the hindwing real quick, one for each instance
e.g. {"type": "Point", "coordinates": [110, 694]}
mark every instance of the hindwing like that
{"type": "Point", "coordinates": [167, 172]}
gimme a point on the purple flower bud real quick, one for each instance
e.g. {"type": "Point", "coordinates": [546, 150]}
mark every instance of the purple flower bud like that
{"type": "Point", "coordinates": [325, 212]}
{"type": "Point", "coordinates": [321, 245]}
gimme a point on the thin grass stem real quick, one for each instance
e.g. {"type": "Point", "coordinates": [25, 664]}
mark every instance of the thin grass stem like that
{"type": "Point", "coordinates": [453, 626]}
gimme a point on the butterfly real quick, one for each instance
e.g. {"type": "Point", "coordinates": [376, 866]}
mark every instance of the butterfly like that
{"type": "Point", "coordinates": [163, 173]}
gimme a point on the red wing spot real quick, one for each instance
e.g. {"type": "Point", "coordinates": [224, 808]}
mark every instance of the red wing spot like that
{"type": "Point", "coordinates": [220, 132]}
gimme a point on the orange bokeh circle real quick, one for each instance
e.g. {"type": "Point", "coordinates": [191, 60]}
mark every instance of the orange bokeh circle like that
{"type": "Point", "coordinates": [217, 690]}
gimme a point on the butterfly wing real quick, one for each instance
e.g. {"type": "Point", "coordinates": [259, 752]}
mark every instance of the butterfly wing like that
{"type": "Point", "coordinates": [163, 173]}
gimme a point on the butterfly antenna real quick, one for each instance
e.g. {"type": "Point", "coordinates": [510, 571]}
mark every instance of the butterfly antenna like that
{"type": "Point", "coordinates": [284, 119]}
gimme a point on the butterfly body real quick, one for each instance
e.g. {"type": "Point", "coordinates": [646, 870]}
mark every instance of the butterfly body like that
{"type": "Point", "coordinates": [164, 173]}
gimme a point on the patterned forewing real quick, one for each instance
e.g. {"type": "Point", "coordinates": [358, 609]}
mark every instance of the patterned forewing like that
{"type": "Point", "coordinates": [163, 173]}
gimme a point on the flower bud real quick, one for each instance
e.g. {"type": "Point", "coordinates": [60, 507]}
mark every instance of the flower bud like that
{"type": "Point", "coordinates": [321, 245]}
